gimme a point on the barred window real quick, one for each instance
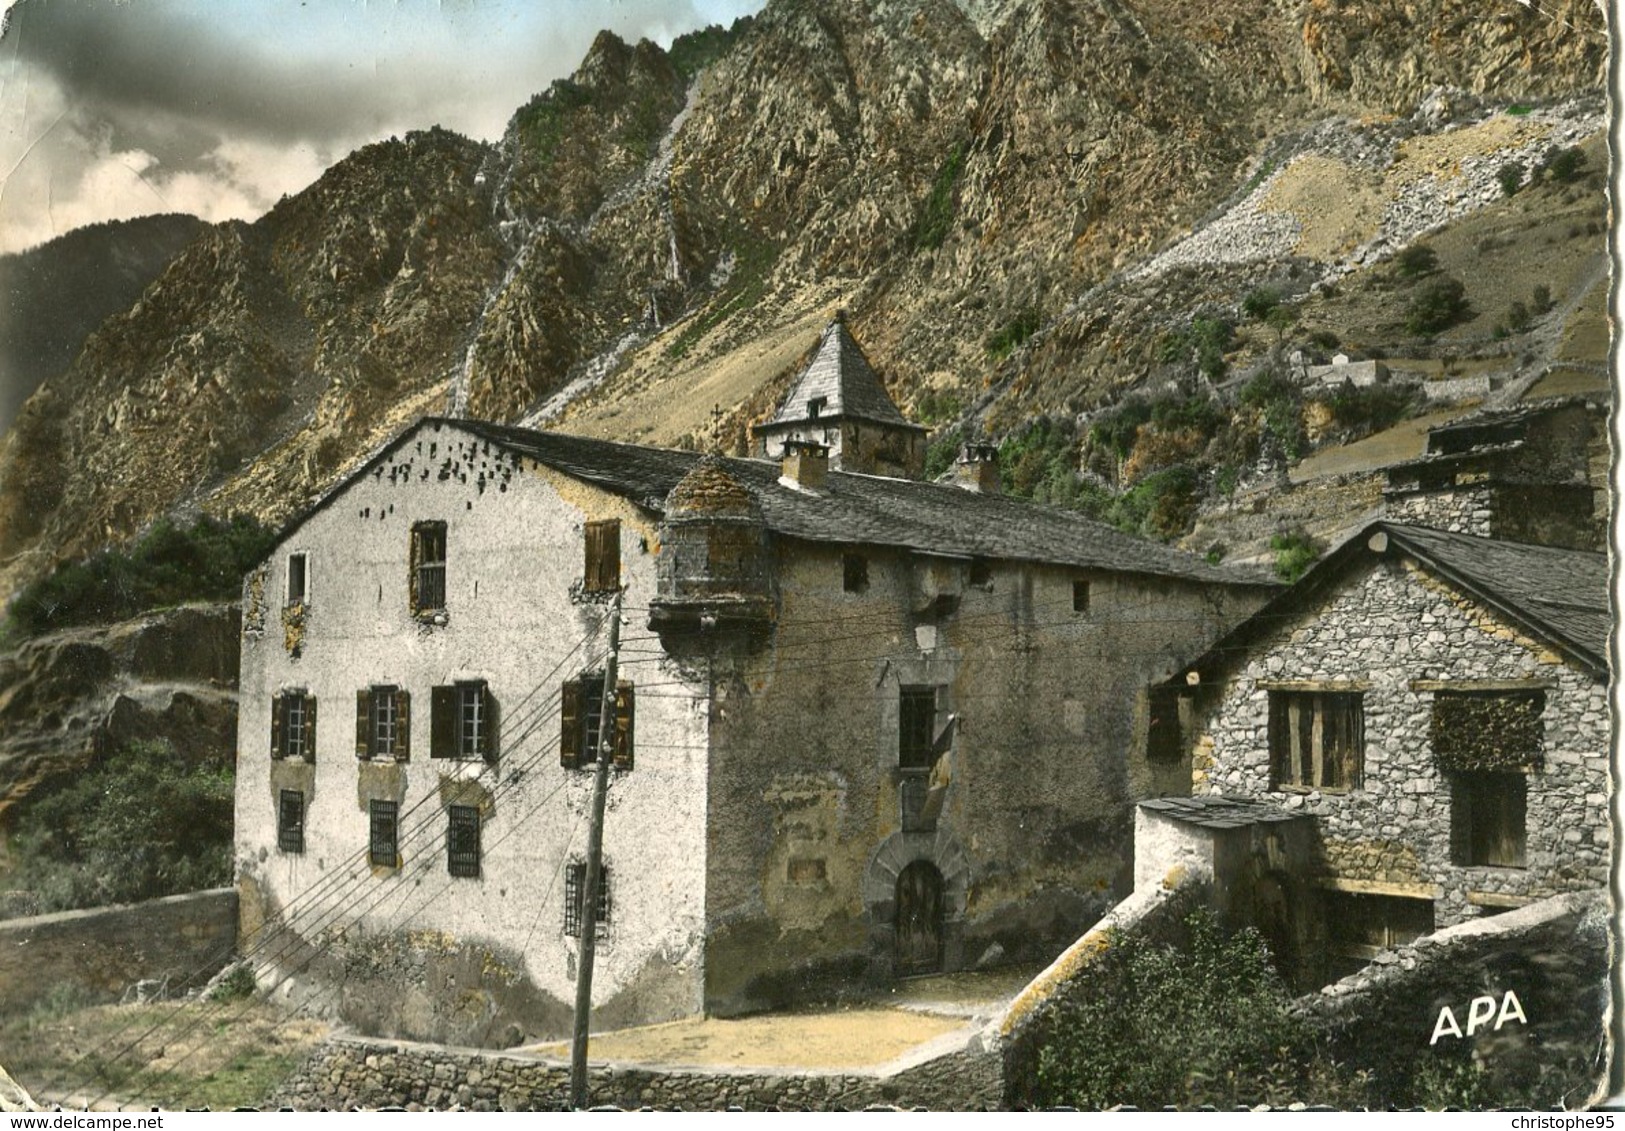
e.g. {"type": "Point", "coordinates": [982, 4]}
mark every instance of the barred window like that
{"type": "Point", "coordinates": [1317, 739]}
{"type": "Point", "coordinates": [383, 840]}
{"type": "Point", "coordinates": [290, 821]}
{"type": "Point", "coordinates": [428, 567]}
{"type": "Point", "coordinates": [575, 890]}
{"type": "Point", "coordinates": [463, 842]}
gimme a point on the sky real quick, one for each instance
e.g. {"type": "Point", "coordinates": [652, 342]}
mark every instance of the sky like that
{"type": "Point", "coordinates": [111, 109]}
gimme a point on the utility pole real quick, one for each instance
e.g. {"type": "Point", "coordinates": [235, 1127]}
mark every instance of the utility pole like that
{"type": "Point", "coordinates": [595, 845]}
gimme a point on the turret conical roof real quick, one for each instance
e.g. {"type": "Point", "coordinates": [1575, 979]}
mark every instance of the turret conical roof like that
{"type": "Point", "coordinates": [839, 381]}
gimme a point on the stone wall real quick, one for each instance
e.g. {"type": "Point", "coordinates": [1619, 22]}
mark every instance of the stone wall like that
{"type": "Point", "coordinates": [345, 1073]}
{"type": "Point", "coordinates": [179, 942]}
{"type": "Point", "coordinates": [1552, 955]}
{"type": "Point", "coordinates": [1400, 635]}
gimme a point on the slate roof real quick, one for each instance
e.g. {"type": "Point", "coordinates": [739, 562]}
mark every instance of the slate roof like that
{"type": "Point", "coordinates": [843, 377]}
{"type": "Point", "coordinates": [1557, 596]}
{"type": "Point", "coordinates": [875, 510]}
{"type": "Point", "coordinates": [1220, 812]}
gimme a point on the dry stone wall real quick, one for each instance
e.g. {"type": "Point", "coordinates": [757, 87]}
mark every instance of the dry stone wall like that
{"type": "Point", "coordinates": [346, 1073]}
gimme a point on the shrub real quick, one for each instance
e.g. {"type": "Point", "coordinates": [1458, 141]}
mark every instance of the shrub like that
{"type": "Point", "coordinates": [1542, 298]}
{"type": "Point", "coordinates": [1295, 552]}
{"type": "Point", "coordinates": [169, 565]}
{"type": "Point", "coordinates": [1012, 335]}
{"type": "Point", "coordinates": [1564, 165]}
{"type": "Point", "coordinates": [237, 984]}
{"type": "Point", "coordinates": [1417, 260]}
{"type": "Point", "coordinates": [1511, 177]}
{"type": "Point", "coordinates": [1436, 305]}
{"type": "Point", "coordinates": [1370, 409]}
{"type": "Point", "coordinates": [941, 453]}
{"type": "Point", "coordinates": [1116, 430]}
{"type": "Point", "coordinates": [936, 406]}
{"type": "Point", "coordinates": [1280, 406]}
{"type": "Point", "coordinates": [1162, 505]}
{"type": "Point", "coordinates": [1518, 318]}
{"type": "Point", "coordinates": [1046, 451]}
{"type": "Point", "coordinates": [1260, 301]}
{"type": "Point", "coordinates": [1149, 1024]}
{"type": "Point", "coordinates": [143, 824]}
{"type": "Point", "coordinates": [1203, 341]}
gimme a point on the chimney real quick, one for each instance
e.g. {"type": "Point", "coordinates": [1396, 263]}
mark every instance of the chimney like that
{"type": "Point", "coordinates": [977, 469]}
{"type": "Point", "coordinates": [805, 464]}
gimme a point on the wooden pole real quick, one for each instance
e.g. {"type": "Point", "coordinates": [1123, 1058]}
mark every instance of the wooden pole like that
{"type": "Point", "coordinates": [595, 845]}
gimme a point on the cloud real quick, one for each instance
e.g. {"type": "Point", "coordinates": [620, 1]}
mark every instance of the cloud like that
{"type": "Point", "coordinates": [111, 110]}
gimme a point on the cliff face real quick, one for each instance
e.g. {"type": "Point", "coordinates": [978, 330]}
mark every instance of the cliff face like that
{"type": "Point", "coordinates": [960, 184]}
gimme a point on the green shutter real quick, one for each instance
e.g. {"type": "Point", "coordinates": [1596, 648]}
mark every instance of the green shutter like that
{"type": "Point", "coordinates": [443, 722]}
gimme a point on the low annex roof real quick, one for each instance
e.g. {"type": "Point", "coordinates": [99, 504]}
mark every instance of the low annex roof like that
{"type": "Point", "coordinates": [851, 508]}
{"type": "Point", "coordinates": [1557, 596]}
{"type": "Point", "coordinates": [842, 380]}
{"type": "Point", "coordinates": [1212, 811]}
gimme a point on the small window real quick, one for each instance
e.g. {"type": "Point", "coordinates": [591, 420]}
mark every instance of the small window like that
{"type": "Point", "coordinates": [916, 727]}
{"type": "Point", "coordinates": [581, 722]}
{"type": "Point", "coordinates": [463, 842]}
{"type": "Point", "coordinates": [981, 573]}
{"type": "Point", "coordinates": [1317, 739]}
{"type": "Point", "coordinates": [575, 890]}
{"type": "Point", "coordinates": [297, 580]}
{"type": "Point", "coordinates": [816, 406]}
{"type": "Point", "coordinates": [602, 572]}
{"type": "Point", "coordinates": [463, 721]}
{"type": "Point", "coordinates": [290, 821]}
{"type": "Point", "coordinates": [293, 726]}
{"type": "Point", "coordinates": [383, 723]}
{"type": "Point", "coordinates": [428, 567]}
{"type": "Point", "coordinates": [1488, 814]}
{"type": "Point", "coordinates": [1080, 596]}
{"type": "Point", "coordinates": [854, 573]}
{"type": "Point", "coordinates": [383, 839]}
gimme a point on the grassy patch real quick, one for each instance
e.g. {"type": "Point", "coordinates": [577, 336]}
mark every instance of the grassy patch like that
{"type": "Point", "coordinates": [936, 214]}
{"type": "Point", "coordinates": [753, 262]}
{"type": "Point", "coordinates": [1295, 552]}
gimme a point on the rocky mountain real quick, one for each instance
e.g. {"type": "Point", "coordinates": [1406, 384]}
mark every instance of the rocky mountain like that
{"type": "Point", "coordinates": [1018, 202]}
{"type": "Point", "coordinates": [54, 295]}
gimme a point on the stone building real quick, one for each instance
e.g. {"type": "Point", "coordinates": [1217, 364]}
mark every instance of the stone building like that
{"type": "Point", "coordinates": [1437, 703]}
{"type": "Point", "coordinates": [864, 727]}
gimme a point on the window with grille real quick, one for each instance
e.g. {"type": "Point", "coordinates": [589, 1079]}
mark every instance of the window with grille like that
{"type": "Point", "coordinates": [916, 726]}
{"type": "Point", "coordinates": [463, 842]}
{"type": "Point", "coordinates": [1317, 739]}
{"type": "Point", "coordinates": [463, 721]}
{"type": "Point", "coordinates": [383, 723]}
{"type": "Point", "coordinates": [293, 726]}
{"type": "Point", "coordinates": [383, 839]}
{"type": "Point", "coordinates": [297, 580]}
{"type": "Point", "coordinates": [602, 571]}
{"type": "Point", "coordinates": [575, 890]}
{"type": "Point", "coordinates": [290, 821]}
{"type": "Point", "coordinates": [428, 567]}
{"type": "Point", "coordinates": [581, 722]}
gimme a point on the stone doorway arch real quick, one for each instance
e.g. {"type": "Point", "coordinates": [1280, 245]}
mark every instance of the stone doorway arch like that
{"type": "Point", "coordinates": [939, 851]}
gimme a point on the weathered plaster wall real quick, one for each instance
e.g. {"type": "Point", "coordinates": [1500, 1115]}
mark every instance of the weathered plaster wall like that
{"type": "Point", "coordinates": [1388, 626]}
{"type": "Point", "coordinates": [343, 1074]}
{"type": "Point", "coordinates": [179, 942]}
{"type": "Point", "coordinates": [414, 951]}
{"type": "Point", "coordinates": [1035, 832]}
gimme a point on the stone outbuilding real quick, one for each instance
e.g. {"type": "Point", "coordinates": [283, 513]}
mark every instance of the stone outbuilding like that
{"type": "Point", "coordinates": [863, 727]}
{"type": "Point", "coordinates": [1438, 704]}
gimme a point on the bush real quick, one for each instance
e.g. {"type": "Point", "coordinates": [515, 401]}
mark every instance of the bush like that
{"type": "Point", "coordinates": [167, 566]}
{"type": "Point", "coordinates": [1417, 260]}
{"type": "Point", "coordinates": [1012, 335]}
{"type": "Point", "coordinates": [1280, 406]}
{"type": "Point", "coordinates": [1436, 305]}
{"type": "Point", "coordinates": [941, 453]}
{"type": "Point", "coordinates": [1565, 164]}
{"type": "Point", "coordinates": [1541, 297]}
{"type": "Point", "coordinates": [1162, 505]}
{"type": "Point", "coordinates": [1370, 409]}
{"type": "Point", "coordinates": [1260, 301]}
{"type": "Point", "coordinates": [143, 824]}
{"type": "Point", "coordinates": [1511, 177]}
{"type": "Point", "coordinates": [1116, 430]}
{"type": "Point", "coordinates": [1203, 341]}
{"type": "Point", "coordinates": [1518, 318]}
{"type": "Point", "coordinates": [1295, 552]}
{"type": "Point", "coordinates": [1045, 452]}
{"type": "Point", "coordinates": [1148, 1024]}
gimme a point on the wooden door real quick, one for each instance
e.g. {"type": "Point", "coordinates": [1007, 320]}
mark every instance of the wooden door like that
{"type": "Point", "coordinates": [919, 920]}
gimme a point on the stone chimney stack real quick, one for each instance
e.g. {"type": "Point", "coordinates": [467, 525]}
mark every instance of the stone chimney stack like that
{"type": "Point", "coordinates": [977, 469]}
{"type": "Point", "coordinates": [805, 464]}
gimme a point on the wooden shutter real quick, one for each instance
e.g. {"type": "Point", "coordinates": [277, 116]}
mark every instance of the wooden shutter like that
{"type": "Point", "coordinates": [363, 723]}
{"type": "Point", "coordinates": [278, 714]}
{"type": "Point", "coordinates": [623, 724]}
{"type": "Point", "coordinates": [601, 572]}
{"type": "Point", "coordinates": [443, 722]}
{"type": "Point", "coordinates": [310, 728]}
{"type": "Point", "coordinates": [403, 724]}
{"type": "Point", "coordinates": [488, 710]}
{"type": "Point", "coordinates": [570, 724]}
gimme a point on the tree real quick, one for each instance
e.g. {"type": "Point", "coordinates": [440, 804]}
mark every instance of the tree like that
{"type": "Point", "coordinates": [1436, 305]}
{"type": "Point", "coordinates": [1417, 260]}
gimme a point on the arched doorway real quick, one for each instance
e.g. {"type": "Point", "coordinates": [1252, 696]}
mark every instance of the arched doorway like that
{"type": "Point", "coordinates": [920, 915]}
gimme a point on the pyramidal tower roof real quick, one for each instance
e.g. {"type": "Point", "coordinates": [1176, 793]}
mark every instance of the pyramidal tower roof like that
{"type": "Point", "coordinates": [839, 381]}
